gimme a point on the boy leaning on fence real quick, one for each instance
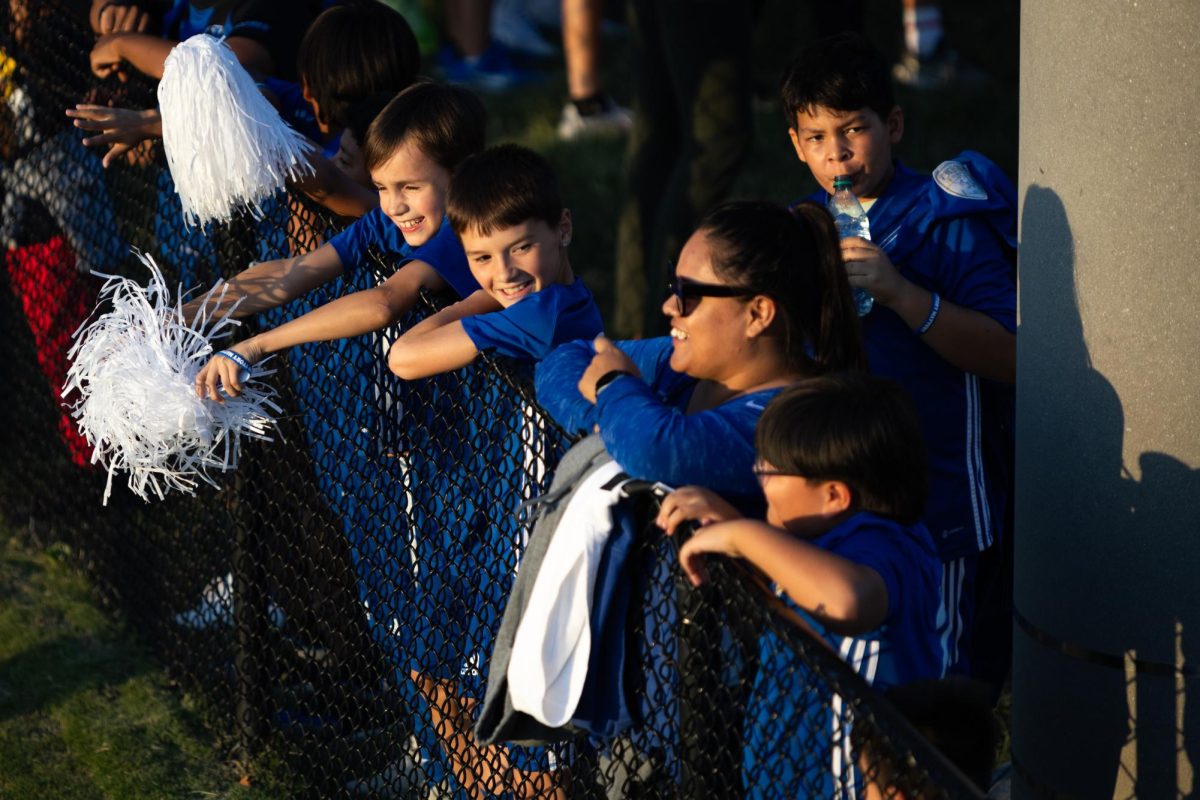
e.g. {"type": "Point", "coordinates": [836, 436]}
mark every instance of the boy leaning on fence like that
{"type": "Point", "coordinates": [506, 206]}
{"type": "Point", "coordinates": [411, 149]}
{"type": "Point", "coordinates": [940, 268]}
{"type": "Point", "coordinates": [842, 466]}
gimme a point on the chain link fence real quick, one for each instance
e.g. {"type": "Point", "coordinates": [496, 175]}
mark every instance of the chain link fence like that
{"type": "Point", "coordinates": [334, 604]}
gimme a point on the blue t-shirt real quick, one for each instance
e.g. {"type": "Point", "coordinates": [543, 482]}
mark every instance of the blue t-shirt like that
{"type": "Point", "coordinates": [645, 424]}
{"type": "Point", "coordinates": [444, 252]}
{"type": "Point", "coordinates": [955, 236]}
{"type": "Point", "coordinates": [907, 646]}
{"type": "Point", "coordinates": [797, 728]}
{"type": "Point", "coordinates": [535, 325]}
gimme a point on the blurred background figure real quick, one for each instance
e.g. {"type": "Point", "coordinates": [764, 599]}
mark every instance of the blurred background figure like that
{"type": "Point", "coordinates": [590, 109]}
{"type": "Point", "coordinates": [471, 56]}
{"type": "Point", "coordinates": [691, 132]}
{"type": "Point", "coordinates": [926, 60]}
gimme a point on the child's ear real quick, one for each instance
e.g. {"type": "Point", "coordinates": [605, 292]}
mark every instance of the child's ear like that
{"type": "Point", "coordinates": [796, 144]}
{"type": "Point", "coordinates": [564, 228]}
{"type": "Point", "coordinates": [895, 124]}
{"type": "Point", "coordinates": [316, 107]}
{"type": "Point", "coordinates": [838, 497]}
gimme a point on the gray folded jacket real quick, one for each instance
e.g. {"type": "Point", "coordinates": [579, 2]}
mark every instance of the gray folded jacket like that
{"type": "Point", "coordinates": [498, 720]}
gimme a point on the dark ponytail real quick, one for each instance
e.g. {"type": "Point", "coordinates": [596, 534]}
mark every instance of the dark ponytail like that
{"type": "Point", "coordinates": [838, 346]}
{"type": "Point", "coordinates": [793, 257]}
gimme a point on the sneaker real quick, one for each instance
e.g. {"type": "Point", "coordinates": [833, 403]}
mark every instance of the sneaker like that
{"type": "Point", "coordinates": [942, 69]}
{"type": "Point", "coordinates": [513, 29]}
{"type": "Point", "coordinates": [493, 71]}
{"type": "Point", "coordinates": [215, 608]}
{"type": "Point", "coordinates": [614, 120]}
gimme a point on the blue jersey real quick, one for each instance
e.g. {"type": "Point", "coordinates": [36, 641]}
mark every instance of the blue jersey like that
{"type": "Point", "coordinates": [535, 325]}
{"type": "Point", "coordinates": [791, 709]}
{"type": "Point", "coordinates": [954, 234]}
{"type": "Point", "coordinates": [906, 647]}
{"type": "Point", "coordinates": [443, 251]}
{"type": "Point", "coordinates": [645, 424]}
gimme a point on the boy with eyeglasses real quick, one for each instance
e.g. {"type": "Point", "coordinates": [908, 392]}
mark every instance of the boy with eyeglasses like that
{"type": "Point", "coordinates": [841, 464]}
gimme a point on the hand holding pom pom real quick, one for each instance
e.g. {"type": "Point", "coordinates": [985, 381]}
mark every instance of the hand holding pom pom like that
{"type": "Point", "coordinates": [137, 369]}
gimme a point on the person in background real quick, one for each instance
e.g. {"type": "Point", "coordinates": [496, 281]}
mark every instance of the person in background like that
{"type": "Point", "coordinates": [691, 132]}
{"type": "Point", "coordinates": [590, 110]}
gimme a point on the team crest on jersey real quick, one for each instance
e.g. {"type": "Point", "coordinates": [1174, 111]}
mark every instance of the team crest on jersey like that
{"type": "Point", "coordinates": [956, 179]}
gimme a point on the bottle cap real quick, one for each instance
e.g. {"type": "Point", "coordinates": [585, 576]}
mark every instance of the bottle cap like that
{"type": "Point", "coordinates": [842, 182]}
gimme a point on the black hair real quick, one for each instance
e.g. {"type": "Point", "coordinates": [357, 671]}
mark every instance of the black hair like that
{"type": "Point", "coordinates": [447, 124]}
{"type": "Point", "coordinates": [503, 186]}
{"type": "Point", "coordinates": [353, 50]}
{"type": "Point", "coordinates": [851, 427]}
{"type": "Point", "coordinates": [793, 257]}
{"type": "Point", "coordinates": [841, 73]}
{"type": "Point", "coordinates": [955, 716]}
{"type": "Point", "coordinates": [360, 115]}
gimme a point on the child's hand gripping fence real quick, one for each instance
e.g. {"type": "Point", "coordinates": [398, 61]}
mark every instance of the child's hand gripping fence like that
{"type": "Point", "coordinates": [333, 602]}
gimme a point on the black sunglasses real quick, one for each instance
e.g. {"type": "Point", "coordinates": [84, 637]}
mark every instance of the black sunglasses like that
{"type": "Point", "coordinates": [684, 291]}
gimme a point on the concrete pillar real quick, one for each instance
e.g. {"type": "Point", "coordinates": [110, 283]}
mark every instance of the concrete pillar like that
{"type": "Point", "coordinates": [1106, 677]}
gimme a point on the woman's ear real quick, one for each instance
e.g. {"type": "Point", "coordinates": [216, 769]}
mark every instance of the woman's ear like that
{"type": "Point", "coordinates": [760, 311]}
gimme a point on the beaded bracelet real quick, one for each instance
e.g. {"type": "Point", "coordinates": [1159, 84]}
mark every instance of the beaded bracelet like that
{"type": "Point", "coordinates": [236, 358]}
{"type": "Point", "coordinates": [933, 312]}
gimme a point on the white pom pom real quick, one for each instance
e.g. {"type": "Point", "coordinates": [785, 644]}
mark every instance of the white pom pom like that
{"type": "Point", "coordinates": [135, 369]}
{"type": "Point", "coordinates": [226, 144]}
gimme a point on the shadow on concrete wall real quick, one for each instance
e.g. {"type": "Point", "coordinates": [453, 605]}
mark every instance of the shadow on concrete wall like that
{"type": "Point", "coordinates": [1106, 566]}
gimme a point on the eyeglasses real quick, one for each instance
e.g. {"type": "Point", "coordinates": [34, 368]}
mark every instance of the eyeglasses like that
{"type": "Point", "coordinates": [683, 291]}
{"type": "Point", "coordinates": [762, 472]}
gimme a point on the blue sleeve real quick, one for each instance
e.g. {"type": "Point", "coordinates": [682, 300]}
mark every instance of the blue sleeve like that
{"type": "Point", "coordinates": [532, 327]}
{"type": "Point", "coordinates": [556, 378]}
{"type": "Point", "coordinates": [444, 252]}
{"type": "Point", "coordinates": [352, 242]}
{"type": "Point", "coordinates": [655, 440]}
{"type": "Point", "coordinates": [905, 558]}
{"type": "Point", "coordinates": [973, 270]}
{"type": "Point", "coordinates": [878, 548]}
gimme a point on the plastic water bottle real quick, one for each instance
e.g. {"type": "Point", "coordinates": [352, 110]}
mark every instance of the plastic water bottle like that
{"type": "Point", "coordinates": [851, 220]}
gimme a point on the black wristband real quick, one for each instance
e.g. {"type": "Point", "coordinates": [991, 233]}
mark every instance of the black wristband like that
{"type": "Point", "coordinates": [607, 378]}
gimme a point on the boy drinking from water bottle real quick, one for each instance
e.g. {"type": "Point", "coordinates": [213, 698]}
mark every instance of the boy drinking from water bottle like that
{"type": "Point", "coordinates": [941, 271]}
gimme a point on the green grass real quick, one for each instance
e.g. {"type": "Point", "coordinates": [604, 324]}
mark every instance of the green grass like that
{"type": "Point", "coordinates": [85, 713]}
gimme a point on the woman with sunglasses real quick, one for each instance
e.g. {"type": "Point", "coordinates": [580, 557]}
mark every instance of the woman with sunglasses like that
{"type": "Point", "coordinates": [759, 301]}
